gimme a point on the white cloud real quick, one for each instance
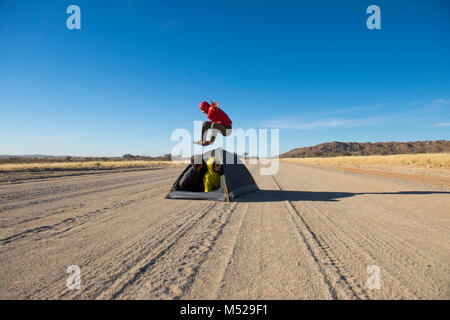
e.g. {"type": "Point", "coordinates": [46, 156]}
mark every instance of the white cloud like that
{"type": "Point", "coordinates": [292, 123]}
{"type": "Point", "coordinates": [443, 124]}
{"type": "Point", "coordinates": [442, 101]}
{"type": "Point", "coordinates": [325, 119]}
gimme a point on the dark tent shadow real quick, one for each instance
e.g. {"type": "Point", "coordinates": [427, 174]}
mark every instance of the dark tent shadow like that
{"type": "Point", "coordinates": [282, 195]}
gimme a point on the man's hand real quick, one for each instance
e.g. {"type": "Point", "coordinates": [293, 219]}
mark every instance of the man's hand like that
{"type": "Point", "coordinates": [214, 104]}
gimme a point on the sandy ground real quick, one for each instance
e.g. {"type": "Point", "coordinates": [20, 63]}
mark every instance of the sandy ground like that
{"type": "Point", "coordinates": [310, 233]}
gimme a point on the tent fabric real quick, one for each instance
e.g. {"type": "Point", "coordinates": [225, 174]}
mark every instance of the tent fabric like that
{"type": "Point", "coordinates": [235, 181]}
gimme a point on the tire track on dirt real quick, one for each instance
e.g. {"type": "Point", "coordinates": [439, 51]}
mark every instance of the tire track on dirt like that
{"type": "Point", "coordinates": [44, 188]}
{"type": "Point", "coordinates": [100, 272]}
{"type": "Point", "coordinates": [339, 284]}
{"type": "Point", "coordinates": [369, 244]}
{"type": "Point", "coordinates": [366, 237]}
{"type": "Point", "coordinates": [151, 256]}
{"type": "Point", "coordinates": [349, 248]}
{"type": "Point", "coordinates": [76, 220]}
{"type": "Point", "coordinates": [309, 234]}
{"type": "Point", "coordinates": [82, 203]}
{"type": "Point", "coordinates": [65, 197]}
{"type": "Point", "coordinates": [187, 259]}
{"type": "Point", "coordinates": [229, 255]}
{"type": "Point", "coordinates": [368, 250]}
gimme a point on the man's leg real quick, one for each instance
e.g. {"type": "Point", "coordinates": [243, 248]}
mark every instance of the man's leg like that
{"type": "Point", "coordinates": [228, 131]}
{"type": "Point", "coordinates": [206, 126]}
{"type": "Point", "coordinates": [215, 129]}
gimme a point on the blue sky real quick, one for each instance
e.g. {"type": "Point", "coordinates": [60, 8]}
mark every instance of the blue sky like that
{"type": "Point", "coordinates": [137, 70]}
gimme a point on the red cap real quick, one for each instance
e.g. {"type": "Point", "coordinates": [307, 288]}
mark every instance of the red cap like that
{"type": "Point", "coordinates": [204, 106]}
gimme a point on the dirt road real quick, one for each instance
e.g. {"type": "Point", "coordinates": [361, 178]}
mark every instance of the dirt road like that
{"type": "Point", "coordinates": [310, 233]}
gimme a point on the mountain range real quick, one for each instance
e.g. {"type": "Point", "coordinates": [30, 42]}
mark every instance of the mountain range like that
{"type": "Point", "coordinates": [335, 148]}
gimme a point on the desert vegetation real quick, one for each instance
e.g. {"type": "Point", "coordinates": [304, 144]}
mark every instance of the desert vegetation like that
{"type": "Point", "coordinates": [83, 165]}
{"type": "Point", "coordinates": [424, 160]}
{"type": "Point", "coordinates": [429, 168]}
{"type": "Point", "coordinates": [49, 163]}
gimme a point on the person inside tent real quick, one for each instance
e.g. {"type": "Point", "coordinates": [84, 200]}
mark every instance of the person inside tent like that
{"type": "Point", "coordinates": [192, 180]}
{"type": "Point", "coordinates": [211, 180]}
{"type": "Point", "coordinates": [220, 122]}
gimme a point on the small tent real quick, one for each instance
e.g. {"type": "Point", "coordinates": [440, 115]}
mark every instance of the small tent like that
{"type": "Point", "coordinates": [235, 181]}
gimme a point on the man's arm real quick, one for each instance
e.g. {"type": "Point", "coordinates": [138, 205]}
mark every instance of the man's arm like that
{"type": "Point", "coordinates": [185, 182]}
{"type": "Point", "coordinates": [207, 183]}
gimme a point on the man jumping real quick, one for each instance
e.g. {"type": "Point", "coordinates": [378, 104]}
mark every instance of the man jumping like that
{"type": "Point", "coordinates": [219, 122]}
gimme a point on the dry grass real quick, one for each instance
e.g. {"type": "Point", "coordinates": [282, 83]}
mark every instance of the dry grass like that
{"type": "Point", "coordinates": [423, 160]}
{"type": "Point", "coordinates": [433, 168]}
{"type": "Point", "coordinates": [85, 165]}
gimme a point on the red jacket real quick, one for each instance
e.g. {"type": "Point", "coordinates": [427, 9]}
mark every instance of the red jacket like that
{"type": "Point", "coordinates": [215, 114]}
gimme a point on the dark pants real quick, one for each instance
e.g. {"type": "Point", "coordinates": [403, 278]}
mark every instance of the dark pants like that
{"type": "Point", "coordinates": [215, 128]}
